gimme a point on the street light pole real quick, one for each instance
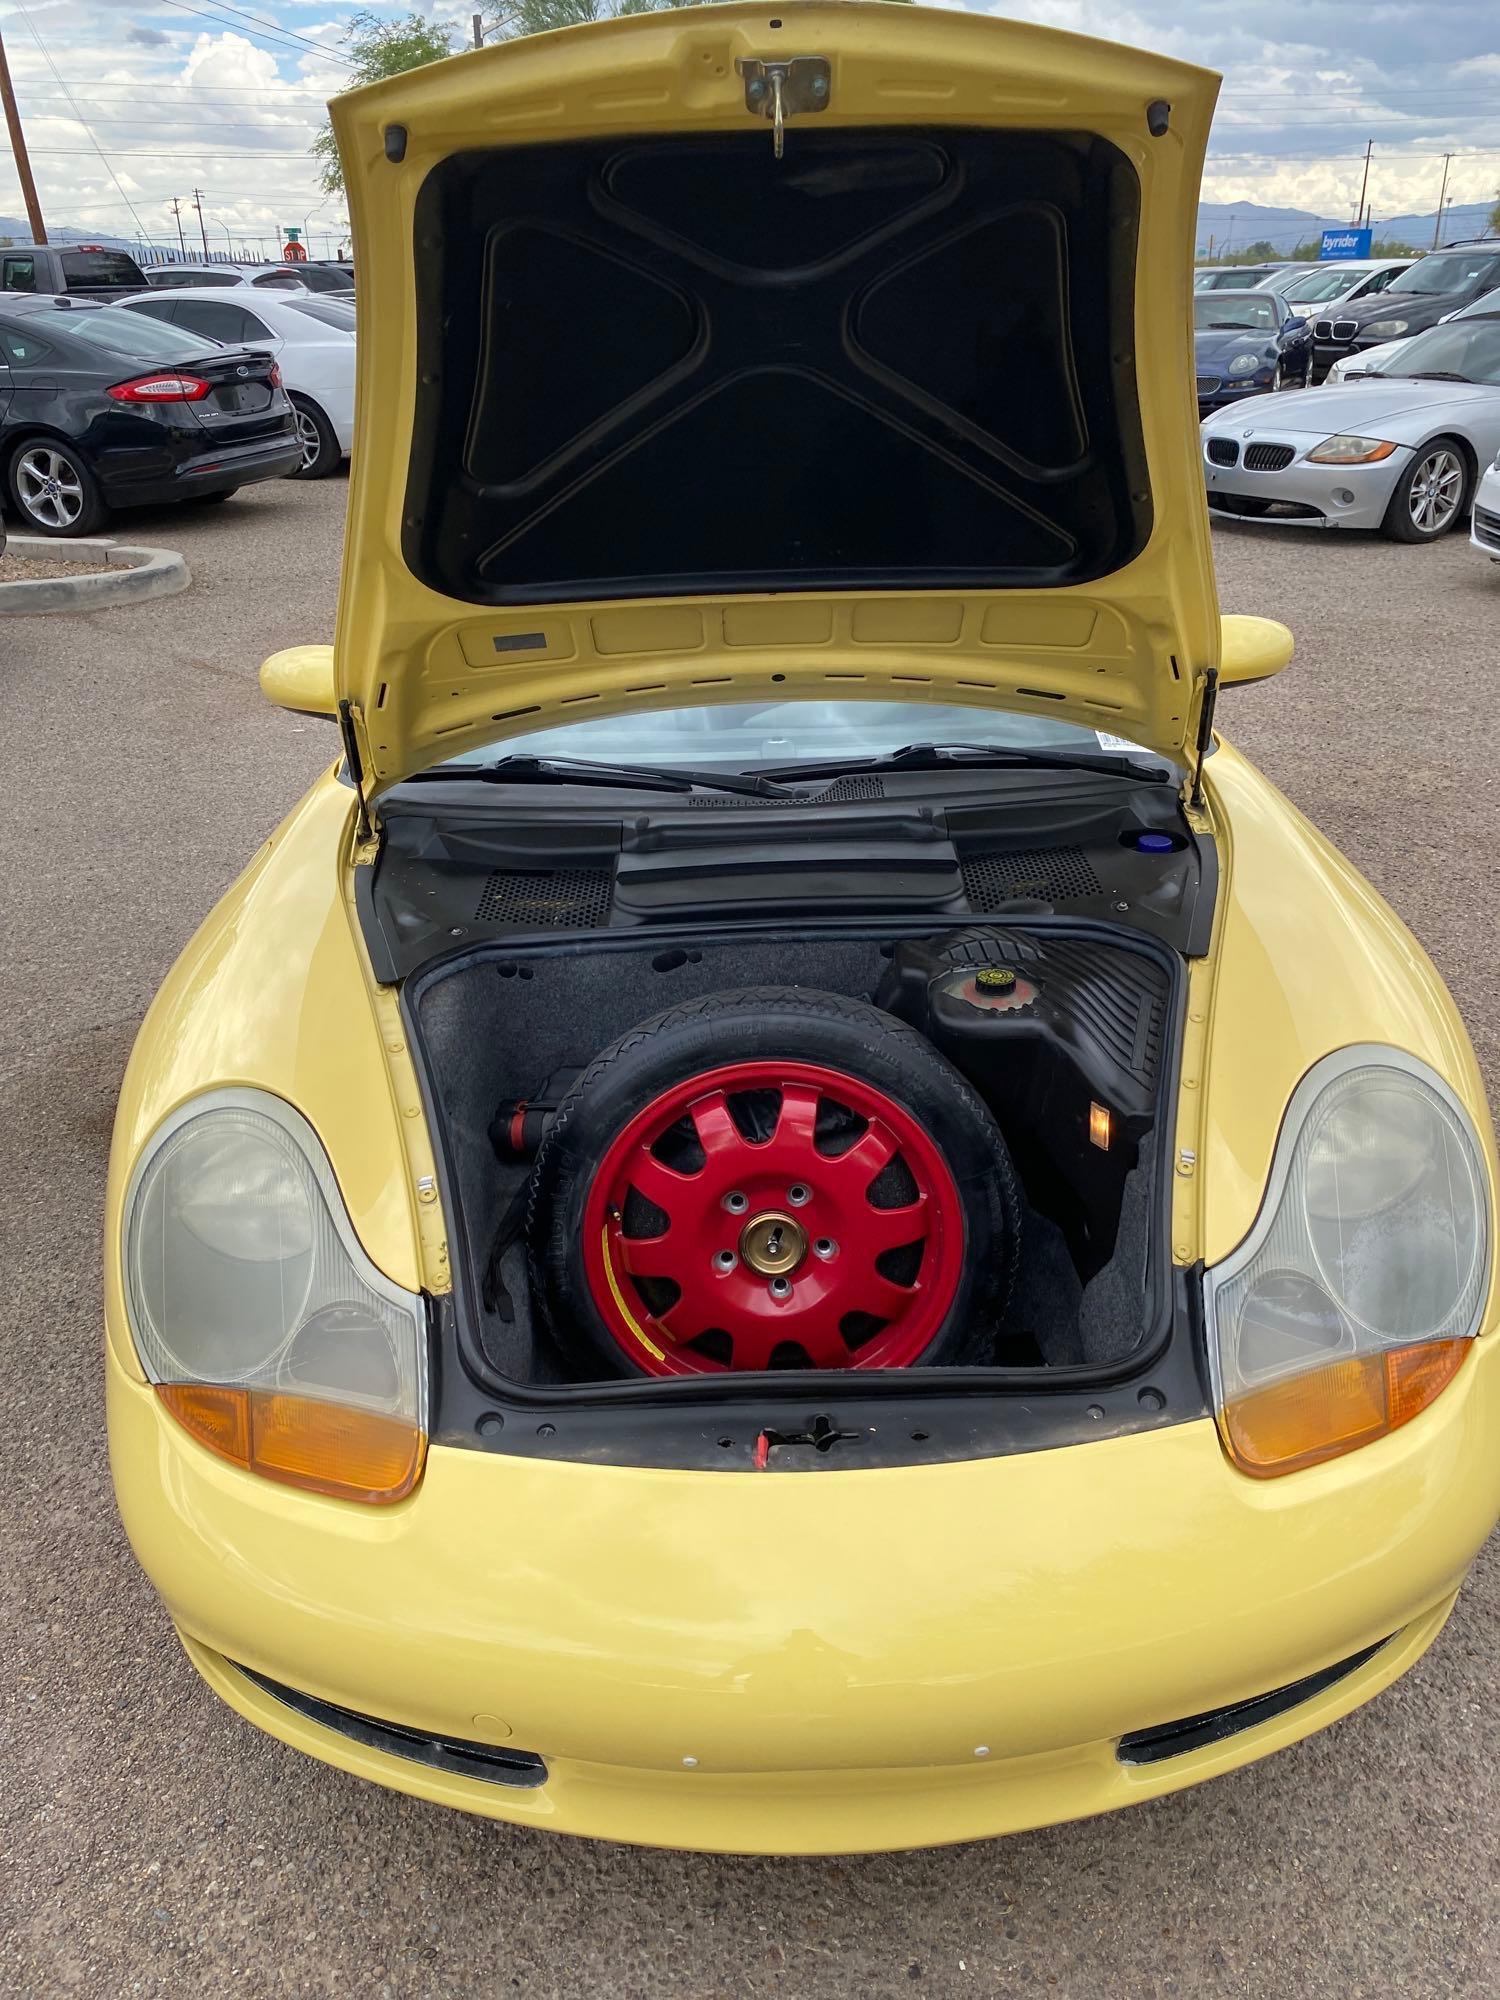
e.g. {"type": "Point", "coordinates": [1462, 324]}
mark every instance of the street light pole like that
{"type": "Point", "coordinates": [1437, 220]}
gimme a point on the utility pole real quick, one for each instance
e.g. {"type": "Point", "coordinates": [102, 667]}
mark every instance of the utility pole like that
{"type": "Point", "coordinates": [177, 218]}
{"type": "Point", "coordinates": [1437, 220]}
{"type": "Point", "coordinates": [1364, 186]}
{"type": "Point", "coordinates": [202, 225]}
{"type": "Point", "coordinates": [18, 147]}
{"type": "Point", "coordinates": [478, 31]}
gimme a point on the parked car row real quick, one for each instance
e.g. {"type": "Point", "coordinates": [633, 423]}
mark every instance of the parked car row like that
{"type": "Point", "coordinates": [167, 395]}
{"type": "Point", "coordinates": [1402, 449]}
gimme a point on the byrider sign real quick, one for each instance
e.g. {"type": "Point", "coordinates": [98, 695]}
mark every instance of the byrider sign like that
{"type": "Point", "coordinates": [1339, 243]}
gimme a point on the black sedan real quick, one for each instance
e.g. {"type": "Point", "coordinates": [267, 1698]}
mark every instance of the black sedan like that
{"type": "Point", "coordinates": [1426, 292]}
{"type": "Point", "coordinates": [1247, 344]}
{"type": "Point", "coordinates": [100, 408]}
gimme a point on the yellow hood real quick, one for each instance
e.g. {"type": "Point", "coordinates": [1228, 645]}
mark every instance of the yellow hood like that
{"type": "Point", "coordinates": [650, 416]}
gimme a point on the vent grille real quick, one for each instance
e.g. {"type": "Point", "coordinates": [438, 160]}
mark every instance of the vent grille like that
{"type": "Point", "coordinates": [1487, 528]}
{"type": "Point", "coordinates": [565, 899]}
{"type": "Point", "coordinates": [1050, 874]}
{"type": "Point", "coordinates": [1268, 457]}
{"type": "Point", "coordinates": [1345, 329]}
{"type": "Point", "coordinates": [1223, 451]}
{"type": "Point", "coordinates": [1323, 329]}
{"type": "Point", "coordinates": [840, 790]}
{"type": "Point", "coordinates": [1208, 385]}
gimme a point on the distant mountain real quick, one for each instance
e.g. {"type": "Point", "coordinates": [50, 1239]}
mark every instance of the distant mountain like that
{"type": "Point", "coordinates": [18, 230]}
{"type": "Point", "coordinates": [1232, 225]}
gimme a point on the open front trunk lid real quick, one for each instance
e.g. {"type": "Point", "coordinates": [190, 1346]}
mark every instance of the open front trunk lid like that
{"type": "Point", "coordinates": [651, 416]}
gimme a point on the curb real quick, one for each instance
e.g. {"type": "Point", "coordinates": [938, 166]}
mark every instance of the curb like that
{"type": "Point", "coordinates": [135, 574]}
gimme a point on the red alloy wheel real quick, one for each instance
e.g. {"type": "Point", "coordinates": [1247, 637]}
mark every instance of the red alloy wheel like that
{"type": "Point", "coordinates": [772, 1248]}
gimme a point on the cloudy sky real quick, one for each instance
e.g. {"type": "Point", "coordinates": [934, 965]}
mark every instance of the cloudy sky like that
{"type": "Point", "coordinates": [208, 95]}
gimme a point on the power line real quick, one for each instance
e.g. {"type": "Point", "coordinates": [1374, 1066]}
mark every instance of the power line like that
{"type": "Point", "coordinates": [47, 58]}
{"type": "Point", "coordinates": [280, 38]}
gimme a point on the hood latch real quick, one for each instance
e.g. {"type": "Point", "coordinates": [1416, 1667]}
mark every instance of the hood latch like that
{"type": "Point", "coordinates": [782, 90]}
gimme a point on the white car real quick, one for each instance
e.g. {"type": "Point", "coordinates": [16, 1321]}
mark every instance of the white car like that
{"type": "Point", "coordinates": [1333, 283]}
{"type": "Point", "coordinates": [1484, 525]}
{"type": "Point", "coordinates": [1381, 360]}
{"type": "Point", "coordinates": [1401, 454]}
{"type": "Point", "coordinates": [222, 277]}
{"type": "Point", "coordinates": [312, 339]}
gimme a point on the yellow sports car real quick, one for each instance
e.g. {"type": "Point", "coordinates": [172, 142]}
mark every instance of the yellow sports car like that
{"type": "Point", "coordinates": [791, 1212]}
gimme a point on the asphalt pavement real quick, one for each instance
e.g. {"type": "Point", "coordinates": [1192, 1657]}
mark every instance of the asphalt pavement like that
{"type": "Point", "coordinates": [151, 1843]}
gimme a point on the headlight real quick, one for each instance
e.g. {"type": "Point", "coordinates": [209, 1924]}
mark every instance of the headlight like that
{"type": "Point", "coordinates": [1352, 1302]}
{"type": "Point", "coordinates": [1346, 450]}
{"type": "Point", "coordinates": [267, 1331]}
{"type": "Point", "coordinates": [1384, 329]}
{"type": "Point", "coordinates": [1244, 364]}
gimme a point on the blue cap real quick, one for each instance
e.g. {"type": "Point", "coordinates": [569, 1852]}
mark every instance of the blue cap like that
{"type": "Point", "coordinates": [1155, 843]}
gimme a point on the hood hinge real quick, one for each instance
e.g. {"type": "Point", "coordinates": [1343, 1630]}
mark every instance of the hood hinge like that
{"type": "Point", "coordinates": [1205, 734]}
{"type": "Point", "coordinates": [355, 765]}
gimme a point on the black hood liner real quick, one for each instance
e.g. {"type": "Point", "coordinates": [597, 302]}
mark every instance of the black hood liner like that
{"type": "Point", "coordinates": [679, 366]}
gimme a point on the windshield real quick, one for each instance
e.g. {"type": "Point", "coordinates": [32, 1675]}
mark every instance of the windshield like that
{"type": "Point", "coordinates": [118, 330]}
{"type": "Point", "coordinates": [737, 736]}
{"type": "Point", "coordinates": [1319, 286]}
{"type": "Point", "coordinates": [1248, 310]}
{"type": "Point", "coordinates": [1453, 272]}
{"type": "Point", "coordinates": [318, 279]}
{"type": "Point", "coordinates": [331, 312]}
{"type": "Point", "coordinates": [1467, 348]}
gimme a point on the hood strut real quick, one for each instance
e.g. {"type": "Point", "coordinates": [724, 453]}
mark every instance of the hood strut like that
{"type": "Point", "coordinates": [355, 765]}
{"type": "Point", "coordinates": [1205, 733]}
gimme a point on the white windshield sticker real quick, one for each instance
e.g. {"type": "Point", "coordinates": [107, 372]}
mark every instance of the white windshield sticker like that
{"type": "Point", "coordinates": [1108, 742]}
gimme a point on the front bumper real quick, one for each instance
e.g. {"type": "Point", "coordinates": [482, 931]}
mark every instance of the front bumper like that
{"type": "Point", "coordinates": [814, 1663]}
{"type": "Point", "coordinates": [1484, 522]}
{"type": "Point", "coordinates": [1224, 392]}
{"type": "Point", "coordinates": [1300, 494]}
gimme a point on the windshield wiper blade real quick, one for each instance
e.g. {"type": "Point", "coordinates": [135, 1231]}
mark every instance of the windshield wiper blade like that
{"type": "Point", "coordinates": [962, 756]}
{"type": "Point", "coordinates": [1440, 375]}
{"type": "Point", "coordinates": [524, 770]}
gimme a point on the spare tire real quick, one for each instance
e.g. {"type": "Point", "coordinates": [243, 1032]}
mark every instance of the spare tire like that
{"type": "Point", "coordinates": [772, 1178]}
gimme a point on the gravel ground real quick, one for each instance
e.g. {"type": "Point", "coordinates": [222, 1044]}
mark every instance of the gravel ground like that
{"type": "Point", "coordinates": [27, 569]}
{"type": "Point", "coordinates": [155, 1845]}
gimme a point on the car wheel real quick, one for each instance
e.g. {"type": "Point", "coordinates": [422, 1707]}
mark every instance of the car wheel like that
{"type": "Point", "coordinates": [320, 448]}
{"type": "Point", "coordinates": [772, 1179]}
{"type": "Point", "coordinates": [1431, 494]}
{"type": "Point", "coordinates": [52, 489]}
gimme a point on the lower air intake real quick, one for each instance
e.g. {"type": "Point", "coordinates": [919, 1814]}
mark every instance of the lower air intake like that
{"type": "Point", "coordinates": [1194, 1732]}
{"type": "Point", "coordinates": [1048, 875]}
{"type": "Point", "coordinates": [559, 899]}
{"type": "Point", "coordinates": [455, 1754]}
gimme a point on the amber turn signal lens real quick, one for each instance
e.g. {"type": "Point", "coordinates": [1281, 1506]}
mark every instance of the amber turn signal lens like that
{"type": "Point", "coordinates": [1328, 1411]}
{"type": "Point", "coordinates": [324, 1447]}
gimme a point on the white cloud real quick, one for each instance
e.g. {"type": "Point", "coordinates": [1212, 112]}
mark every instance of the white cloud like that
{"type": "Point", "coordinates": [237, 110]}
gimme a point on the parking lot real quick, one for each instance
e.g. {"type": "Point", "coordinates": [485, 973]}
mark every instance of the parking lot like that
{"type": "Point", "coordinates": [155, 1844]}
